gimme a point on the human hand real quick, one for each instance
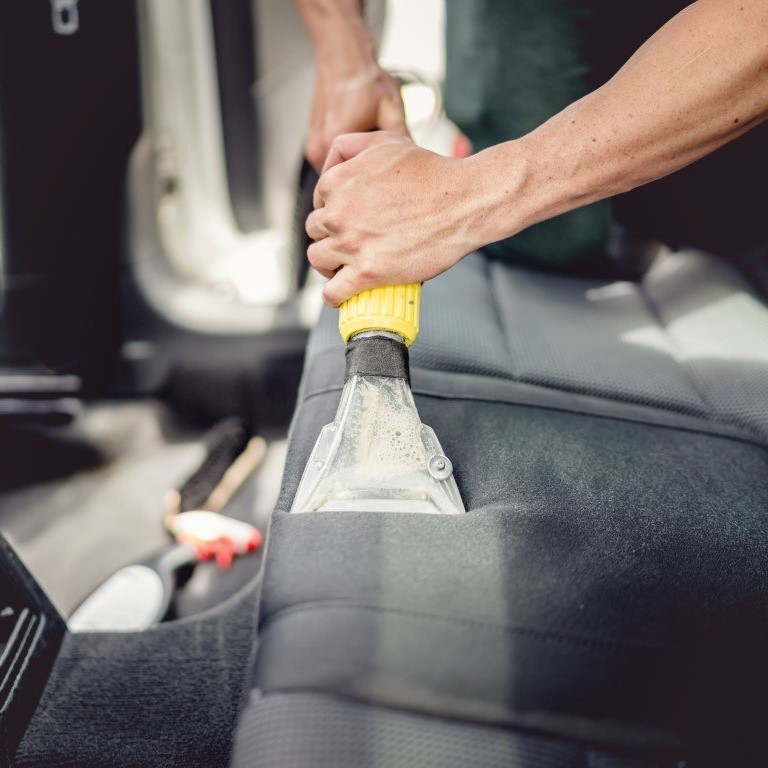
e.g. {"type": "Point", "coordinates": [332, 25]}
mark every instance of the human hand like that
{"type": "Point", "coordinates": [360, 100]}
{"type": "Point", "coordinates": [387, 212]}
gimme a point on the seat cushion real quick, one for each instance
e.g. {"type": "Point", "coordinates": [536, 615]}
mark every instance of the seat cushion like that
{"type": "Point", "coordinates": [608, 584]}
{"type": "Point", "coordinates": [691, 338]}
{"type": "Point", "coordinates": [285, 731]}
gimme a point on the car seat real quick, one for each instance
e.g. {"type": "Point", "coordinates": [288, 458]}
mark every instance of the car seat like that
{"type": "Point", "coordinates": [602, 602]}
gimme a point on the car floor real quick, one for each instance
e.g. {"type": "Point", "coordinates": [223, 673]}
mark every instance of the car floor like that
{"type": "Point", "coordinates": [79, 502]}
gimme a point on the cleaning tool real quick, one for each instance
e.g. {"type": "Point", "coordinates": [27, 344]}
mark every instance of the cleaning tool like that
{"type": "Point", "coordinates": [139, 596]}
{"type": "Point", "coordinates": [376, 455]}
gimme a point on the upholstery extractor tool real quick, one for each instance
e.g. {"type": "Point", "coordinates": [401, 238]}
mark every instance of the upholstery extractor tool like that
{"type": "Point", "coordinates": [376, 455]}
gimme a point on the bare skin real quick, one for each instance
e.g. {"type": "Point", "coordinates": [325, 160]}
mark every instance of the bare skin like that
{"type": "Point", "coordinates": [390, 212]}
{"type": "Point", "coordinates": [352, 92]}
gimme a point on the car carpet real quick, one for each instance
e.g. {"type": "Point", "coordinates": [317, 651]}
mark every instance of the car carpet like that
{"type": "Point", "coordinates": [165, 697]}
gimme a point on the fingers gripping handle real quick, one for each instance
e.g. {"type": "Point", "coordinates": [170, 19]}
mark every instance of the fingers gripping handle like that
{"type": "Point", "coordinates": [394, 308]}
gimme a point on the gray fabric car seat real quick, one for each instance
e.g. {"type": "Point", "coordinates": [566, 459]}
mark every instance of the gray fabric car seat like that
{"type": "Point", "coordinates": [604, 599]}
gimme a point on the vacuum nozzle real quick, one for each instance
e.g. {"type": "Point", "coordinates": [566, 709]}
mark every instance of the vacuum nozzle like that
{"type": "Point", "coordinates": [376, 455]}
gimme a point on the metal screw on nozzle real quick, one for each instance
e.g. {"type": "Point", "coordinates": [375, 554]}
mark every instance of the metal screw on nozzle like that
{"type": "Point", "coordinates": [440, 467]}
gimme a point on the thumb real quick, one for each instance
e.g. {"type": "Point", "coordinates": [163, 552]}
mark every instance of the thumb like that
{"type": "Point", "coordinates": [349, 145]}
{"type": "Point", "coordinates": [391, 115]}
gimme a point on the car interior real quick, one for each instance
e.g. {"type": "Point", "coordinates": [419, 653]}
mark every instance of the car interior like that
{"type": "Point", "coordinates": [599, 602]}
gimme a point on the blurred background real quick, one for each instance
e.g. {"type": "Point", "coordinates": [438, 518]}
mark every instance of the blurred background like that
{"type": "Point", "coordinates": [153, 274]}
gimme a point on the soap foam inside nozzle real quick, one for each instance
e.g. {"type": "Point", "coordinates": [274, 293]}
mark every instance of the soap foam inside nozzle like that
{"type": "Point", "coordinates": [378, 456]}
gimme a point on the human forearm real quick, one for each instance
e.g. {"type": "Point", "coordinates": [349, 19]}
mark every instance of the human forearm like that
{"type": "Point", "coordinates": [340, 39]}
{"type": "Point", "coordinates": [389, 212]}
{"type": "Point", "coordinates": [696, 84]}
{"type": "Point", "coordinates": [352, 92]}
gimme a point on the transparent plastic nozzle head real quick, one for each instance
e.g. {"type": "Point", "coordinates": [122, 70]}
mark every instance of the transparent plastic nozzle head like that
{"type": "Point", "coordinates": [377, 456]}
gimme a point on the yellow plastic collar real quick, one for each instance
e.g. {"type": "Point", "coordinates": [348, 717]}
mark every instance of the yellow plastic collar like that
{"type": "Point", "coordinates": [394, 308]}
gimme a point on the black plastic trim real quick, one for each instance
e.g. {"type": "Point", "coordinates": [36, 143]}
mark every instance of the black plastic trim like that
{"type": "Point", "coordinates": [28, 648]}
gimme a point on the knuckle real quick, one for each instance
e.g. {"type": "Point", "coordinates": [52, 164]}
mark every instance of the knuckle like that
{"type": "Point", "coordinates": [332, 221]}
{"type": "Point", "coordinates": [350, 242]}
{"type": "Point", "coordinates": [314, 255]}
{"type": "Point", "coordinates": [322, 186]}
{"type": "Point", "coordinates": [367, 272]}
{"type": "Point", "coordinates": [326, 184]}
{"type": "Point", "coordinates": [329, 297]}
{"type": "Point", "coordinates": [310, 225]}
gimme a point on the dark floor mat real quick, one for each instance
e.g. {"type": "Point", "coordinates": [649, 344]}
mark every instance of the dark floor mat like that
{"type": "Point", "coordinates": [165, 697]}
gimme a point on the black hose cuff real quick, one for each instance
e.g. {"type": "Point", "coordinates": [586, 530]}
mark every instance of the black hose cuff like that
{"type": "Point", "coordinates": [377, 356]}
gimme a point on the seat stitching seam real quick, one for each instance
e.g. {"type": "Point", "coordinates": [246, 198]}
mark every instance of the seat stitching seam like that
{"type": "Point", "coordinates": [588, 642]}
{"type": "Point", "coordinates": [745, 438]}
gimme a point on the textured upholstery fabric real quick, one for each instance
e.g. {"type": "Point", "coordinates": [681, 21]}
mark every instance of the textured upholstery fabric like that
{"type": "Point", "coordinates": [720, 333]}
{"type": "Point", "coordinates": [168, 696]}
{"type": "Point", "coordinates": [322, 732]}
{"type": "Point", "coordinates": [691, 337]}
{"type": "Point", "coordinates": [608, 584]}
{"type": "Point", "coordinates": [605, 571]}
